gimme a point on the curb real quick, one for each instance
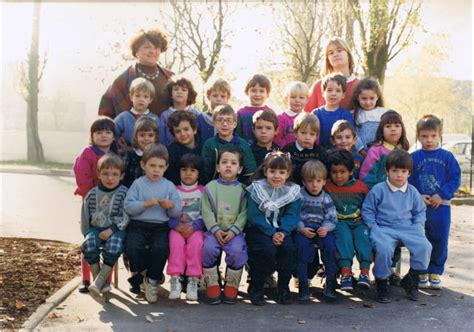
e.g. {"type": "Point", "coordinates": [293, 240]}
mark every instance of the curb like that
{"type": "Point", "coordinates": [37, 171]}
{"type": "Point", "coordinates": [52, 302]}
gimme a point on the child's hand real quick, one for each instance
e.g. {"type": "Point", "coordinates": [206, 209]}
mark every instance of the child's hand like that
{"type": "Point", "coordinates": [307, 232]}
{"type": "Point", "coordinates": [187, 231]}
{"type": "Point", "coordinates": [322, 231]}
{"type": "Point", "coordinates": [229, 235]}
{"type": "Point", "coordinates": [436, 201]}
{"type": "Point", "coordinates": [151, 202]}
{"type": "Point", "coordinates": [220, 237]}
{"type": "Point", "coordinates": [278, 238]}
{"type": "Point", "coordinates": [426, 199]}
{"type": "Point", "coordinates": [166, 203]}
{"type": "Point", "coordinates": [105, 234]}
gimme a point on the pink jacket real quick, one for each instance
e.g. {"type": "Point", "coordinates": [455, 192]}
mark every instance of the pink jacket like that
{"type": "Point", "coordinates": [85, 170]}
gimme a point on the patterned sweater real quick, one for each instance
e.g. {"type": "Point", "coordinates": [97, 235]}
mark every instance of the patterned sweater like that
{"type": "Point", "coordinates": [224, 206]}
{"type": "Point", "coordinates": [317, 210]}
{"type": "Point", "coordinates": [373, 167]}
{"type": "Point", "coordinates": [191, 202]}
{"type": "Point", "coordinates": [348, 199]}
{"type": "Point", "coordinates": [103, 208]}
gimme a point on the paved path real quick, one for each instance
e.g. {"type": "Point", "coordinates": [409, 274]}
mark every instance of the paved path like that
{"type": "Point", "coordinates": [44, 207]}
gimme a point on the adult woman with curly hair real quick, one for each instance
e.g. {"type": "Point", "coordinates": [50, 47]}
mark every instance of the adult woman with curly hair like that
{"type": "Point", "coordinates": [146, 47]}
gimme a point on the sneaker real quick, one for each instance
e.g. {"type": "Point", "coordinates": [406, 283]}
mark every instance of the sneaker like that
{"type": "Point", "coordinates": [151, 291]}
{"type": "Point", "coordinates": [364, 281]}
{"type": "Point", "coordinates": [435, 281]}
{"type": "Point", "coordinates": [192, 289]}
{"type": "Point", "coordinates": [175, 288]}
{"type": "Point", "coordinates": [424, 281]}
{"type": "Point", "coordinates": [346, 282]}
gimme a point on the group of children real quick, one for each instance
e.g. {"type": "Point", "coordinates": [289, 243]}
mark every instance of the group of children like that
{"type": "Point", "coordinates": [264, 188]}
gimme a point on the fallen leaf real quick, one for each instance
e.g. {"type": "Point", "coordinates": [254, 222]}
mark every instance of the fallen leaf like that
{"type": "Point", "coordinates": [356, 327]}
{"type": "Point", "coordinates": [19, 305]}
{"type": "Point", "coordinates": [369, 305]}
{"type": "Point", "coordinates": [54, 315]}
{"type": "Point", "coordinates": [79, 319]}
{"type": "Point", "coordinates": [422, 304]}
{"type": "Point", "coordinates": [289, 317]}
{"type": "Point", "coordinates": [149, 319]}
{"type": "Point", "coordinates": [300, 321]}
{"type": "Point", "coordinates": [451, 275]}
{"type": "Point", "coordinates": [11, 319]}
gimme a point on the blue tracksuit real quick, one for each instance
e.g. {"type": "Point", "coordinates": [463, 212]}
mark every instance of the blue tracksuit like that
{"type": "Point", "coordinates": [436, 172]}
{"type": "Point", "coordinates": [388, 228]}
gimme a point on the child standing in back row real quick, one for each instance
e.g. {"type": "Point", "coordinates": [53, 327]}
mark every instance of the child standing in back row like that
{"type": "Point", "coordinates": [367, 105]}
{"type": "Point", "coordinates": [218, 94]}
{"type": "Point", "coordinates": [258, 90]}
{"type": "Point", "coordinates": [334, 87]}
{"type": "Point", "coordinates": [181, 96]}
{"type": "Point", "coordinates": [296, 95]}
{"type": "Point", "coordinates": [437, 176]}
{"type": "Point", "coordinates": [142, 93]}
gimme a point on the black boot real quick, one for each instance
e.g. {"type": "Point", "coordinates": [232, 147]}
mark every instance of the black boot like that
{"type": "Point", "coordinates": [135, 282]}
{"type": "Point", "coordinates": [256, 291]}
{"type": "Point", "coordinates": [284, 296]}
{"type": "Point", "coordinates": [303, 291]}
{"type": "Point", "coordinates": [410, 284]}
{"type": "Point", "coordinates": [383, 291]}
{"type": "Point", "coordinates": [330, 289]}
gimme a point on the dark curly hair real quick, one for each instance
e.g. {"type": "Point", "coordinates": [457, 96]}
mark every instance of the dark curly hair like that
{"type": "Point", "coordinates": [183, 82]}
{"type": "Point", "coordinates": [154, 36]}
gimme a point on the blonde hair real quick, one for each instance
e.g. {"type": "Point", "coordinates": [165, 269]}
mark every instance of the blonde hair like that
{"type": "Point", "coordinates": [314, 169]}
{"type": "Point", "coordinates": [142, 84]}
{"type": "Point", "coordinates": [306, 120]}
{"type": "Point", "coordinates": [296, 87]}
{"type": "Point", "coordinates": [224, 110]}
{"type": "Point", "coordinates": [338, 42]}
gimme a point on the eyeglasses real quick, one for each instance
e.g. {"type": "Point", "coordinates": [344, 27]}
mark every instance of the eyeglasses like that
{"type": "Point", "coordinates": [228, 121]}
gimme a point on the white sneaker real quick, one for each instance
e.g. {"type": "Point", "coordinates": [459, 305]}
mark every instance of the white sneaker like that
{"type": "Point", "coordinates": [192, 289]}
{"type": "Point", "coordinates": [151, 291]}
{"type": "Point", "coordinates": [175, 288]}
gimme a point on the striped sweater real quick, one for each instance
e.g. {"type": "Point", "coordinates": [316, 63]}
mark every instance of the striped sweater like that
{"type": "Point", "coordinates": [103, 208]}
{"type": "Point", "coordinates": [348, 199]}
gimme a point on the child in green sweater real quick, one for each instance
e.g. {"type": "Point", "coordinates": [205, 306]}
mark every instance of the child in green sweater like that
{"type": "Point", "coordinates": [224, 211]}
{"type": "Point", "coordinates": [225, 121]}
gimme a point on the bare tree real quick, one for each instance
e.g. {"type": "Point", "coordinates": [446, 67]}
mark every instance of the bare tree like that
{"type": "Point", "coordinates": [386, 29]}
{"type": "Point", "coordinates": [194, 44]}
{"type": "Point", "coordinates": [302, 26]}
{"type": "Point", "coordinates": [29, 80]}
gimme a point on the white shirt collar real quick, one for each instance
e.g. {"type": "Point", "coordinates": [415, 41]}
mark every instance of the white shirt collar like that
{"type": "Point", "coordinates": [291, 113]}
{"type": "Point", "coordinates": [136, 113]}
{"type": "Point", "coordinates": [298, 146]}
{"type": "Point", "coordinates": [393, 188]}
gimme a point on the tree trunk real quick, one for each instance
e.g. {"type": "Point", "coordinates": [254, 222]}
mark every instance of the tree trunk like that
{"type": "Point", "coordinates": [34, 147]}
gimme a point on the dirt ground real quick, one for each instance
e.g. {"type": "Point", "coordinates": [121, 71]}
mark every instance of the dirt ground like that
{"type": "Point", "coordinates": [31, 271]}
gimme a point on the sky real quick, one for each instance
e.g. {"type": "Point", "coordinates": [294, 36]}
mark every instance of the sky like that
{"type": "Point", "coordinates": [76, 35]}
